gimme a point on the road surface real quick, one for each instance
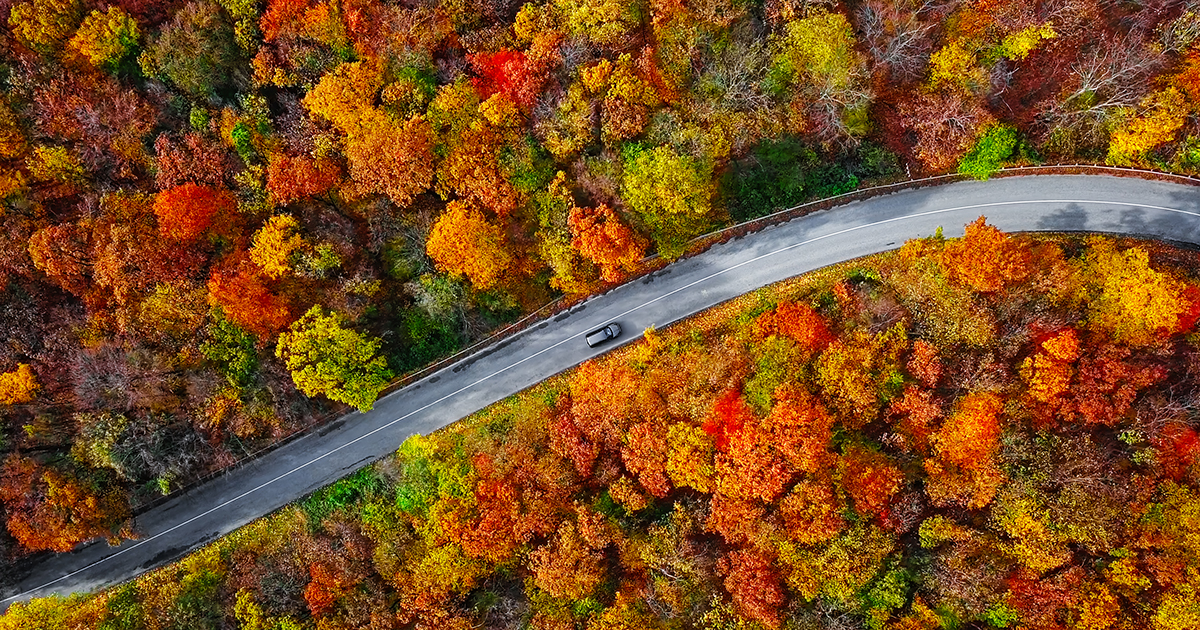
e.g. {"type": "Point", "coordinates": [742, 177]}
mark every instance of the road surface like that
{"type": "Point", "coordinates": [1033, 203]}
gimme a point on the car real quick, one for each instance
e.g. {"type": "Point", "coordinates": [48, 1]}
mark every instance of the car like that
{"type": "Point", "coordinates": [602, 334]}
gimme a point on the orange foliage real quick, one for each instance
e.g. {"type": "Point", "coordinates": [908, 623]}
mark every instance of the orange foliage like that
{"type": "Point", "coordinates": [280, 16]}
{"type": "Point", "coordinates": [187, 211]}
{"type": "Point", "coordinates": [970, 436]}
{"type": "Point", "coordinates": [986, 259]}
{"type": "Point", "coordinates": [917, 413]}
{"type": "Point", "coordinates": [18, 386]}
{"type": "Point", "coordinates": [754, 584]}
{"type": "Point", "coordinates": [464, 242]}
{"type": "Point", "coordinates": [389, 158]}
{"type": "Point", "coordinates": [1048, 372]}
{"type": "Point", "coordinates": [600, 236]}
{"type": "Point", "coordinates": [240, 290]}
{"type": "Point", "coordinates": [50, 510]}
{"type": "Point", "coordinates": [645, 455]}
{"type": "Point", "coordinates": [325, 588]}
{"type": "Point", "coordinates": [729, 414]}
{"type": "Point", "coordinates": [800, 429]}
{"type": "Point", "coordinates": [925, 364]}
{"type": "Point", "coordinates": [291, 179]}
{"type": "Point", "coordinates": [812, 512]}
{"type": "Point", "coordinates": [964, 470]}
{"type": "Point", "coordinates": [735, 519]}
{"type": "Point", "coordinates": [797, 321]}
{"type": "Point", "coordinates": [567, 567]}
{"type": "Point", "coordinates": [870, 479]}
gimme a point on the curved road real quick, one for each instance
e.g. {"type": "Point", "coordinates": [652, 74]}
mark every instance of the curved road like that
{"type": "Point", "coordinates": [1051, 203]}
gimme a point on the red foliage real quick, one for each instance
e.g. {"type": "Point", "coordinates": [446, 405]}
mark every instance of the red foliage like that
{"type": "Point", "coordinates": [196, 161]}
{"type": "Point", "coordinates": [291, 179]}
{"type": "Point", "coordinates": [645, 455]}
{"type": "Point", "coordinates": [1177, 447]}
{"type": "Point", "coordinates": [751, 468]}
{"type": "Point", "coordinates": [729, 414]}
{"type": "Point", "coordinates": [870, 479]}
{"type": "Point", "coordinates": [797, 321]}
{"type": "Point", "coordinates": [240, 290]}
{"type": "Point", "coordinates": [1106, 384]}
{"type": "Point", "coordinates": [754, 584]}
{"type": "Point", "coordinates": [735, 519]}
{"type": "Point", "coordinates": [917, 413]}
{"type": "Point", "coordinates": [187, 211]}
{"type": "Point", "coordinates": [1188, 318]}
{"type": "Point", "coordinates": [568, 441]}
{"type": "Point", "coordinates": [49, 509]}
{"type": "Point", "coordinates": [512, 73]}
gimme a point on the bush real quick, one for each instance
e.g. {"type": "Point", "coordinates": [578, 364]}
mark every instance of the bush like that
{"type": "Point", "coordinates": [993, 148]}
{"type": "Point", "coordinates": [771, 179]}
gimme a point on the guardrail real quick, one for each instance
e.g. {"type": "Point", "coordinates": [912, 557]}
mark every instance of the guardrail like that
{"type": "Point", "coordinates": [653, 263]}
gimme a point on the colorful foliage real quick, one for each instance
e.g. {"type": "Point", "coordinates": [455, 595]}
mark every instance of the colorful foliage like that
{"type": "Point", "coordinates": [327, 358]}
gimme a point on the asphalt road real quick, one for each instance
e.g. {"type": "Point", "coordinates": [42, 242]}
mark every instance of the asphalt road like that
{"type": "Point", "coordinates": [1035, 203]}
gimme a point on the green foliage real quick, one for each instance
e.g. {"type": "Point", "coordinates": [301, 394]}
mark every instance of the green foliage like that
{"type": "Point", "coordinates": [417, 486]}
{"type": "Point", "coordinates": [232, 349]}
{"type": "Point", "coordinates": [124, 610]}
{"type": "Point", "coordinates": [672, 193]}
{"type": "Point", "coordinates": [429, 336]}
{"type": "Point", "coordinates": [991, 150]}
{"type": "Point", "coordinates": [343, 495]}
{"type": "Point", "coordinates": [327, 358]}
{"type": "Point", "coordinates": [243, 142]}
{"type": "Point", "coordinates": [197, 607]}
{"type": "Point", "coordinates": [1001, 615]}
{"type": "Point", "coordinates": [771, 179]}
{"type": "Point", "coordinates": [195, 51]}
{"type": "Point", "coordinates": [887, 594]}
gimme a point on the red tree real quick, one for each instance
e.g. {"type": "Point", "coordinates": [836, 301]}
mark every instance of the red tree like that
{"type": "Point", "coordinates": [187, 211]}
{"type": "Point", "coordinates": [754, 584]}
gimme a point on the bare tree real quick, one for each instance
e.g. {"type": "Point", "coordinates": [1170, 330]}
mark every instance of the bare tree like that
{"type": "Point", "coordinates": [895, 36]}
{"type": "Point", "coordinates": [1112, 74]}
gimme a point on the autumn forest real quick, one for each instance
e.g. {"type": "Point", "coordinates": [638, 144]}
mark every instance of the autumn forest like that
{"type": "Point", "coordinates": [225, 220]}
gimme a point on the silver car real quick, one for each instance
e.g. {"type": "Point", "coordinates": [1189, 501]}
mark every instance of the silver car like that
{"type": "Point", "coordinates": [600, 335]}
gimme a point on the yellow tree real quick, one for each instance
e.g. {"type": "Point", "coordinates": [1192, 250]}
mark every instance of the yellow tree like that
{"type": "Point", "coordinates": [343, 95]}
{"type": "Point", "coordinates": [463, 242]}
{"type": "Point", "coordinates": [276, 245]}
{"type": "Point", "coordinates": [1132, 302]}
{"type": "Point", "coordinates": [45, 25]}
{"type": "Point", "coordinates": [1163, 114]}
{"type": "Point", "coordinates": [18, 386]}
{"type": "Point", "coordinates": [105, 37]}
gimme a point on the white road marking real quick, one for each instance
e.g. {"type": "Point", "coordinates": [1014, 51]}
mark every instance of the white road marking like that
{"type": "Point", "coordinates": [551, 347]}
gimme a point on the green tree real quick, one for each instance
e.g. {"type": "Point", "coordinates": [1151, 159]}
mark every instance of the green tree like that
{"type": "Point", "coordinates": [327, 358]}
{"type": "Point", "coordinates": [673, 194]}
{"type": "Point", "coordinates": [994, 147]}
{"type": "Point", "coordinates": [232, 349]}
{"type": "Point", "coordinates": [196, 51]}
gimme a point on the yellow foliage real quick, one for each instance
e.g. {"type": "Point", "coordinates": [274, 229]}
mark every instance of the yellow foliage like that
{"type": "Point", "coordinates": [1180, 609]}
{"type": "Point", "coordinates": [500, 111]}
{"type": "Point", "coordinates": [1098, 610]}
{"type": "Point", "coordinates": [44, 25]}
{"type": "Point", "coordinates": [1163, 114]}
{"type": "Point", "coordinates": [1135, 304]}
{"type": "Point", "coordinates": [18, 386]}
{"type": "Point", "coordinates": [839, 569]}
{"type": "Point", "coordinates": [12, 140]}
{"type": "Point", "coordinates": [56, 164]}
{"type": "Point", "coordinates": [954, 66]}
{"type": "Point", "coordinates": [105, 38]}
{"type": "Point", "coordinates": [275, 246]}
{"type": "Point", "coordinates": [342, 96]}
{"type": "Point", "coordinates": [818, 50]}
{"type": "Point", "coordinates": [1018, 45]}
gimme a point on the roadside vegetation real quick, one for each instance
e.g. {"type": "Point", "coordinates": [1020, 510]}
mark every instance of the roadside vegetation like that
{"type": "Point", "coordinates": [226, 220]}
{"type": "Point", "coordinates": [990, 432]}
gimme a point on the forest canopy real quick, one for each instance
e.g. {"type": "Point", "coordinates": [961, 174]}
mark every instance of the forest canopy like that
{"type": "Point", "coordinates": [888, 444]}
{"type": "Point", "coordinates": [213, 210]}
